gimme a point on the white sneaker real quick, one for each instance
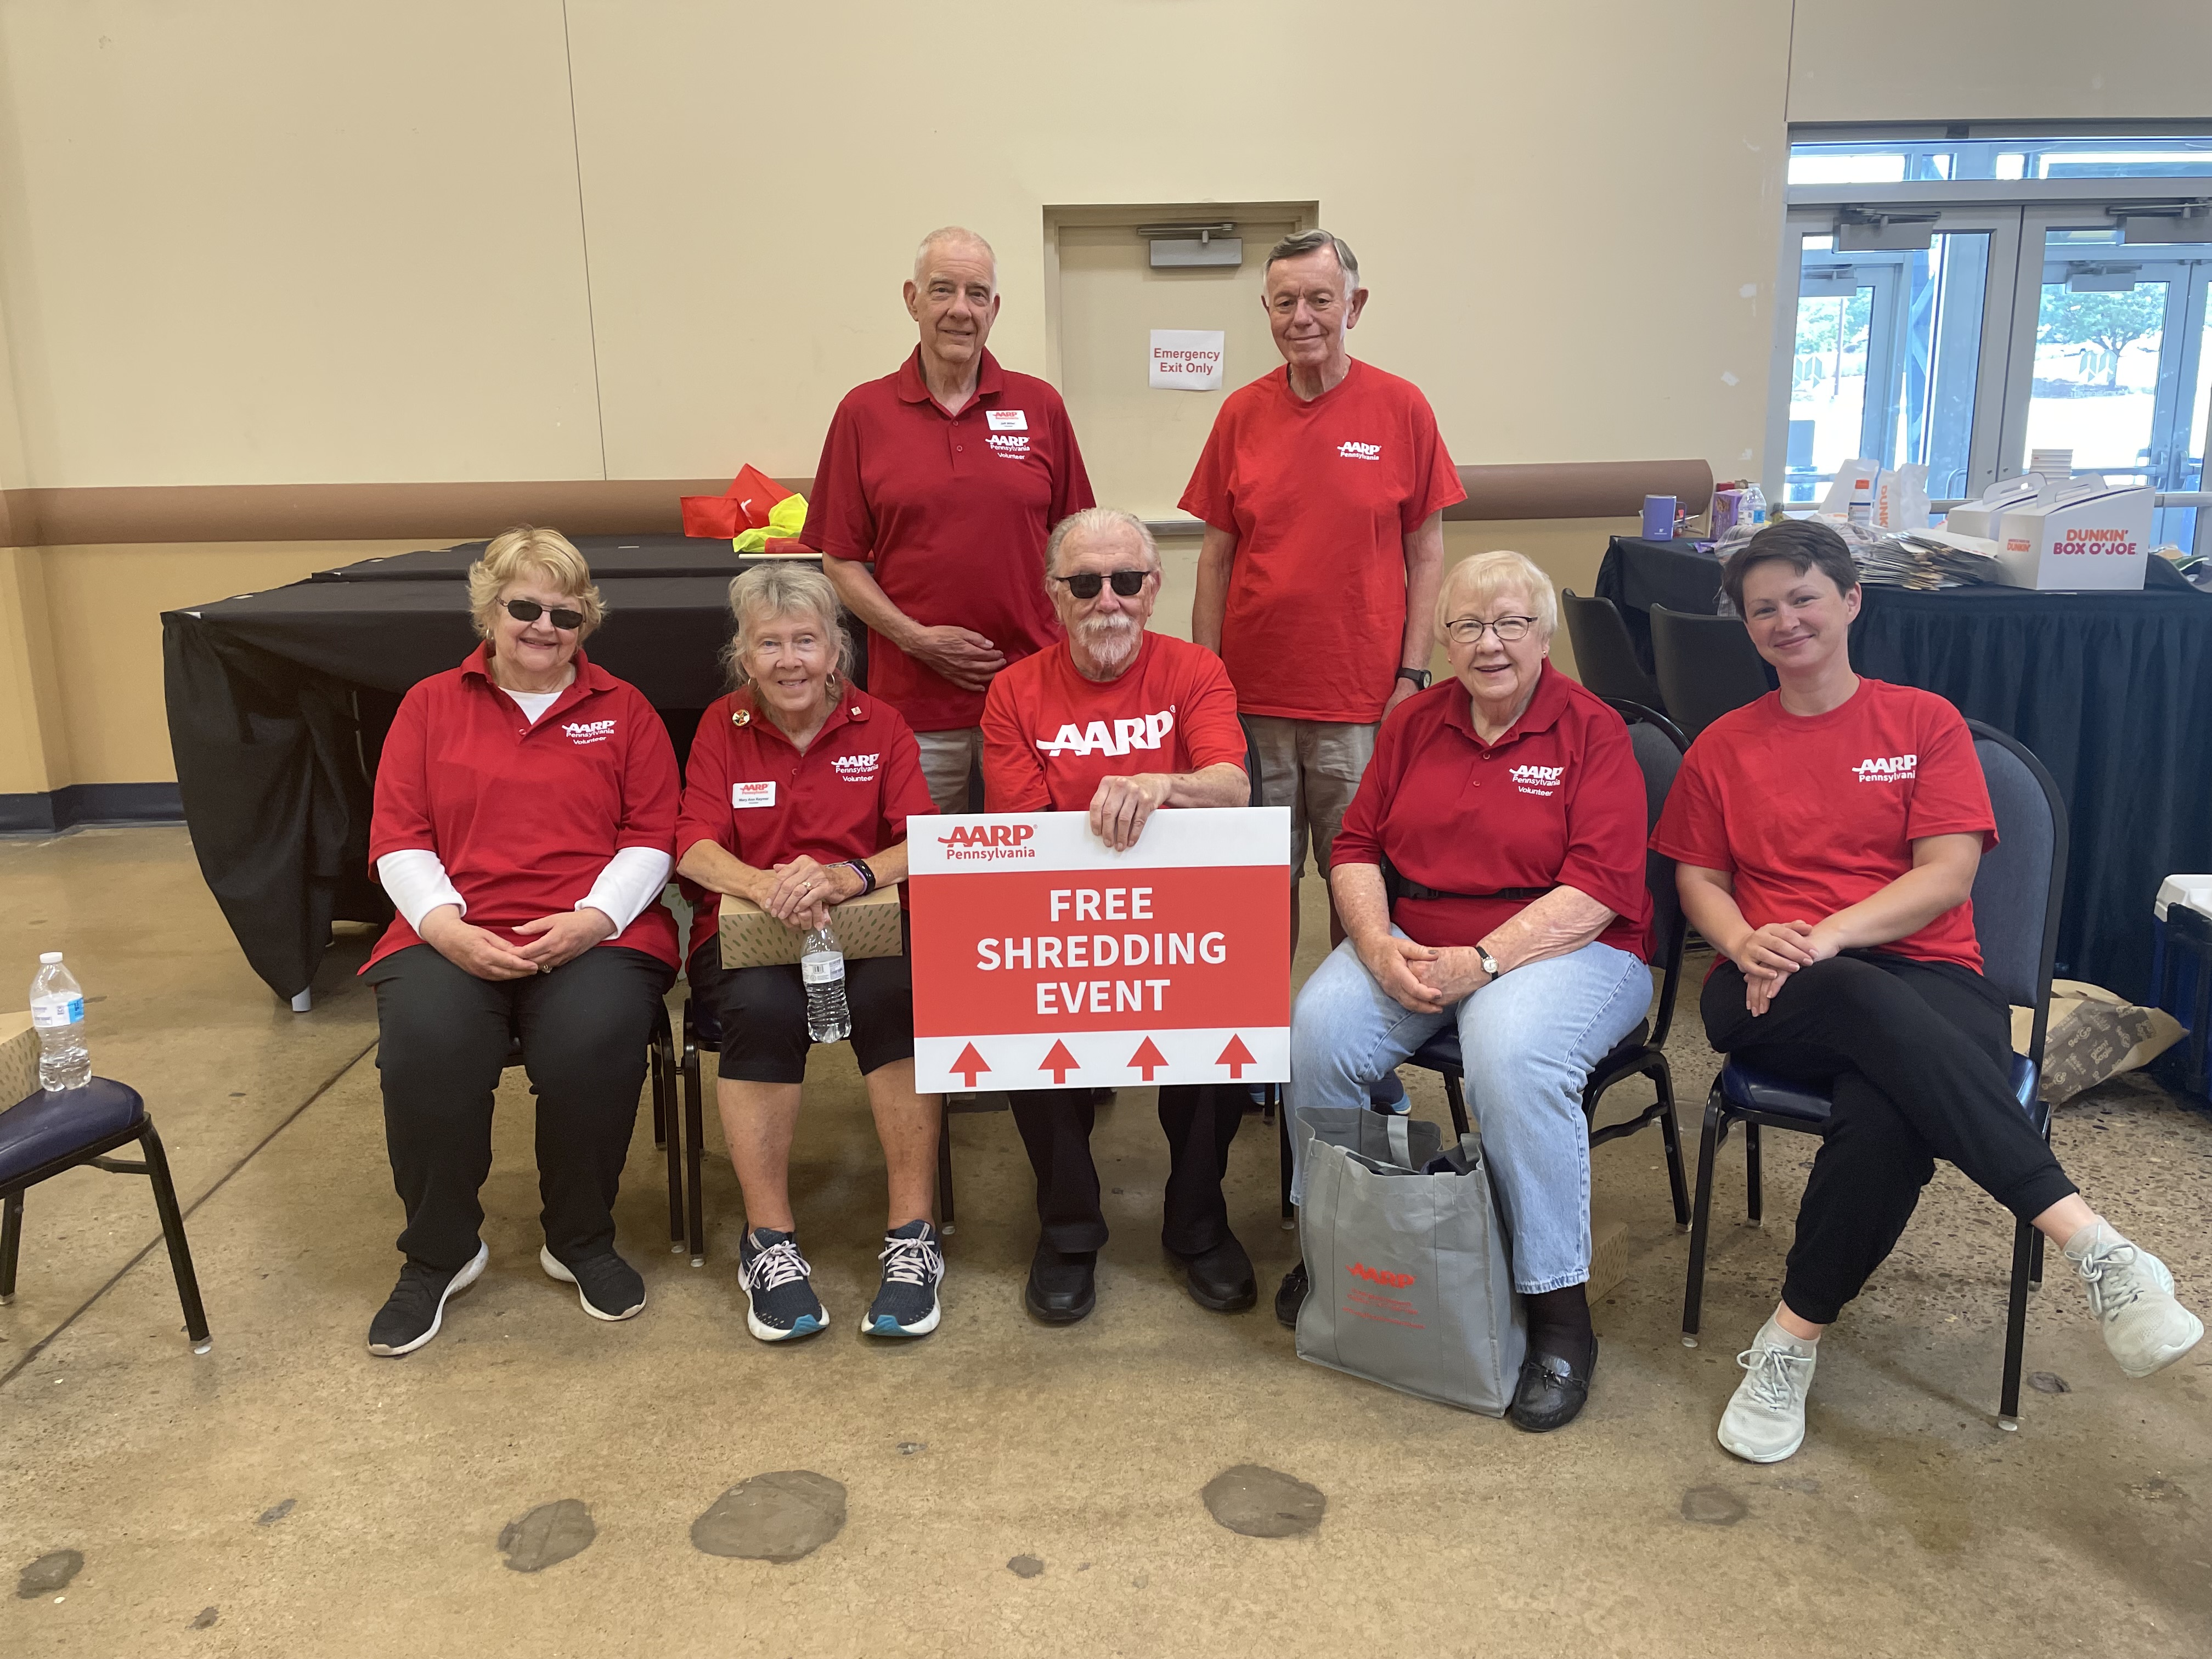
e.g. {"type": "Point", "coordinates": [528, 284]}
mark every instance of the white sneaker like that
{"type": "Point", "coordinates": [2131, 1293]}
{"type": "Point", "coordinates": [1764, 1422]}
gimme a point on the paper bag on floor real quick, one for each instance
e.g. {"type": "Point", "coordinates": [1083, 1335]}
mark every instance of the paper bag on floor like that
{"type": "Point", "coordinates": [2094, 1035]}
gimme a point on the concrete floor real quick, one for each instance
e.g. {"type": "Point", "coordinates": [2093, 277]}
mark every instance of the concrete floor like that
{"type": "Point", "coordinates": [286, 1493]}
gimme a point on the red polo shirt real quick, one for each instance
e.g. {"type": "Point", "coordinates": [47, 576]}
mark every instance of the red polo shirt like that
{"type": "Point", "coordinates": [1811, 814]}
{"type": "Point", "coordinates": [1049, 735]}
{"type": "Point", "coordinates": [758, 799]}
{"type": "Point", "coordinates": [1321, 497]}
{"type": "Point", "coordinates": [1557, 801]}
{"type": "Point", "coordinates": [524, 818]}
{"type": "Point", "coordinates": [952, 510]}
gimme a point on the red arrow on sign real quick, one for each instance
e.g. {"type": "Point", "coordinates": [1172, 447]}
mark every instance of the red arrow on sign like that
{"type": "Point", "coordinates": [970, 1063]}
{"type": "Point", "coordinates": [1148, 1059]}
{"type": "Point", "coordinates": [1059, 1063]}
{"type": "Point", "coordinates": [1235, 1057]}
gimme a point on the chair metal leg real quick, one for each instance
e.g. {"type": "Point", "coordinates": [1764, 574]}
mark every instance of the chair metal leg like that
{"type": "Point", "coordinates": [695, 1141]}
{"type": "Point", "coordinates": [947, 1218]}
{"type": "Point", "coordinates": [2015, 1326]}
{"type": "Point", "coordinates": [660, 1104]}
{"type": "Point", "coordinates": [1457, 1098]}
{"type": "Point", "coordinates": [1670, 1136]}
{"type": "Point", "coordinates": [1283, 1149]}
{"type": "Point", "coordinates": [173, 1230]}
{"type": "Point", "coordinates": [1753, 1188]}
{"type": "Point", "coordinates": [2035, 1262]}
{"type": "Point", "coordinates": [1701, 1217]}
{"type": "Point", "coordinates": [670, 1137]}
{"type": "Point", "coordinates": [11, 1240]}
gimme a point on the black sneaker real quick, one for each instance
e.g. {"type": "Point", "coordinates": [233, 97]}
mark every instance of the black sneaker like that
{"type": "Point", "coordinates": [907, 1304]}
{"type": "Point", "coordinates": [416, 1307]}
{"type": "Point", "coordinates": [1290, 1297]}
{"type": "Point", "coordinates": [608, 1287]}
{"type": "Point", "coordinates": [780, 1299]}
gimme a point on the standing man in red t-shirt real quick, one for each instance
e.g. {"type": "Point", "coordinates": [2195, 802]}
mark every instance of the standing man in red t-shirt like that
{"type": "Point", "coordinates": [937, 487]}
{"type": "Point", "coordinates": [1119, 722]}
{"type": "Point", "coordinates": [1323, 486]}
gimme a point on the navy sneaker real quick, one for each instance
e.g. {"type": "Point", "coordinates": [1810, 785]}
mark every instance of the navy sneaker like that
{"type": "Point", "coordinates": [907, 1304]}
{"type": "Point", "coordinates": [1388, 1094]}
{"type": "Point", "coordinates": [778, 1284]}
{"type": "Point", "coordinates": [417, 1304]}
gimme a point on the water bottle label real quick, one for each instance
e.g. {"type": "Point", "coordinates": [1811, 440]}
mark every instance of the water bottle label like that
{"type": "Point", "coordinates": [826, 968]}
{"type": "Point", "coordinates": [50, 1012]}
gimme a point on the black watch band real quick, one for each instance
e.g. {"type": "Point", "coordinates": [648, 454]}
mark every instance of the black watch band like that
{"type": "Point", "coordinates": [1418, 675]}
{"type": "Point", "coordinates": [859, 867]}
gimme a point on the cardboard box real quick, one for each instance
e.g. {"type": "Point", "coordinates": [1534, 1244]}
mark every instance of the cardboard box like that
{"type": "Point", "coordinates": [19, 1059]}
{"type": "Point", "coordinates": [865, 927]}
{"type": "Point", "coordinates": [2086, 538]}
{"type": "Point", "coordinates": [1608, 1252]}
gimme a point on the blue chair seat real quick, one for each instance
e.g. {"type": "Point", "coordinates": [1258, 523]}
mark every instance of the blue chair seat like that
{"type": "Point", "coordinates": [1748, 1088]}
{"type": "Point", "coordinates": [47, 1125]}
{"type": "Point", "coordinates": [1441, 1052]}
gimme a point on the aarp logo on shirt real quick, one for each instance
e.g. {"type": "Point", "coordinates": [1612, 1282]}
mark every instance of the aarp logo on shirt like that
{"type": "Point", "coordinates": [1536, 780]}
{"type": "Point", "coordinates": [1888, 768]}
{"type": "Point", "coordinates": [1145, 732]}
{"type": "Point", "coordinates": [582, 731]}
{"type": "Point", "coordinates": [857, 768]}
{"type": "Point", "coordinates": [1013, 447]}
{"type": "Point", "coordinates": [1352, 451]}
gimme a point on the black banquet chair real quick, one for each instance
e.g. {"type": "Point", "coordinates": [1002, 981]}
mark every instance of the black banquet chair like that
{"type": "Point", "coordinates": [1605, 657]}
{"type": "Point", "coordinates": [2017, 893]}
{"type": "Point", "coordinates": [1705, 666]}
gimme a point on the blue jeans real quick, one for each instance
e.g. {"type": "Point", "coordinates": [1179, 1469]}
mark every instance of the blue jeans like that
{"type": "Point", "coordinates": [1528, 1041]}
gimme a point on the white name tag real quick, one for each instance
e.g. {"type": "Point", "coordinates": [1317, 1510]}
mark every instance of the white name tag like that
{"type": "Point", "coordinates": [753, 794]}
{"type": "Point", "coordinates": [1008, 420]}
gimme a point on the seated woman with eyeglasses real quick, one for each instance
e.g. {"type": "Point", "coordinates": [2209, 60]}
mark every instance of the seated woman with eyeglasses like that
{"type": "Point", "coordinates": [1508, 801]}
{"type": "Point", "coordinates": [524, 827]}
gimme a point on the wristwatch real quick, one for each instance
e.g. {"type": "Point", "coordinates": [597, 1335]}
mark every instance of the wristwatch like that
{"type": "Point", "coordinates": [1489, 963]}
{"type": "Point", "coordinates": [1418, 675]}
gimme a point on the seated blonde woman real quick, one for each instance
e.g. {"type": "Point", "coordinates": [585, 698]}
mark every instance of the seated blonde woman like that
{"type": "Point", "coordinates": [796, 798]}
{"type": "Point", "coordinates": [525, 810]}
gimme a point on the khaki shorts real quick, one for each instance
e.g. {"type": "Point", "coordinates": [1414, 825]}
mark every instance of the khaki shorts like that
{"type": "Point", "coordinates": [947, 758]}
{"type": "Point", "coordinates": [1314, 768]}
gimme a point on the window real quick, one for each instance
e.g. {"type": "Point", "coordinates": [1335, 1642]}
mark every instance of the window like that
{"type": "Point", "coordinates": [1966, 296]}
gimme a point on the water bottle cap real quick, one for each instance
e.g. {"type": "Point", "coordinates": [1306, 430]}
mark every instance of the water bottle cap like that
{"type": "Point", "coordinates": [47, 958]}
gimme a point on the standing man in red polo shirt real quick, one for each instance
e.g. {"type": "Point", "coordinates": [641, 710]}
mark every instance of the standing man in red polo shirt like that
{"type": "Point", "coordinates": [1322, 486]}
{"type": "Point", "coordinates": [937, 487]}
{"type": "Point", "coordinates": [1175, 743]}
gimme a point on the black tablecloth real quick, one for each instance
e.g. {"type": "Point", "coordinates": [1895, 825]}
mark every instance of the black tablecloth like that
{"type": "Point", "coordinates": [2112, 692]}
{"type": "Point", "coordinates": [278, 703]}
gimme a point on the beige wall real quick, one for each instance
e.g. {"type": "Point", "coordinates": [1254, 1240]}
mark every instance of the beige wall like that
{"type": "Point", "coordinates": [2000, 60]}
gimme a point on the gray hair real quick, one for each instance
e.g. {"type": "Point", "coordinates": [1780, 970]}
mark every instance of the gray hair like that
{"type": "Point", "coordinates": [1486, 578]}
{"type": "Point", "coordinates": [1313, 241]}
{"type": "Point", "coordinates": [783, 588]}
{"type": "Point", "coordinates": [1090, 522]}
{"type": "Point", "coordinates": [953, 234]}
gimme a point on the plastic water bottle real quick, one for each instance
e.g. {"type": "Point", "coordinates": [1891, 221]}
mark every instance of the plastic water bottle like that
{"type": "Point", "coordinates": [822, 965]}
{"type": "Point", "coordinates": [58, 1012]}
{"type": "Point", "coordinates": [1752, 508]}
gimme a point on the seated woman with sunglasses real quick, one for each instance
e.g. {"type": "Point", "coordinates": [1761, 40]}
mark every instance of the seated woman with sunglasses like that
{"type": "Point", "coordinates": [1508, 800]}
{"type": "Point", "coordinates": [525, 824]}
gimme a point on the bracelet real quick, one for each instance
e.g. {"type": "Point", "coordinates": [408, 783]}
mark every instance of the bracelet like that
{"type": "Point", "coordinates": [860, 867]}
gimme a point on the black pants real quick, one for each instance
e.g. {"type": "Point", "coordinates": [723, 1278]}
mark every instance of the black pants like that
{"type": "Point", "coordinates": [442, 1039]}
{"type": "Point", "coordinates": [1199, 1121]}
{"type": "Point", "coordinates": [1915, 1056]}
{"type": "Point", "coordinates": [760, 1013]}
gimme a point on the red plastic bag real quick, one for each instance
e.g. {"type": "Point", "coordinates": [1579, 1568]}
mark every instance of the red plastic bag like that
{"type": "Point", "coordinates": [744, 506]}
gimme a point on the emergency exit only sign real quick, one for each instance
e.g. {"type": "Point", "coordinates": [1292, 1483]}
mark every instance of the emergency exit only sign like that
{"type": "Point", "coordinates": [1186, 359]}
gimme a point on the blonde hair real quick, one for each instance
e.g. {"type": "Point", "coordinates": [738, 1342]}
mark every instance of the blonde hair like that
{"type": "Point", "coordinates": [524, 552]}
{"type": "Point", "coordinates": [1487, 577]}
{"type": "Point", "coordinates": [783, 589]}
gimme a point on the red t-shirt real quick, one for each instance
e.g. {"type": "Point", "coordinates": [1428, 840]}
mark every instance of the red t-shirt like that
{"type": "Point", "coordinates": [748, 791]}
{"type": "Point", "coordinates": [1811, 814]}
{"type": "Point", "coordinates": [1049, 735]}
{"type": "Point", "coordinates": [953, 511]}
{"type": "Point", "coordinates": [524, 818]}
{"type": "Point", "coordinates": [1321, 496]}
{"type": "Point", "coordinates": [1557, 801]}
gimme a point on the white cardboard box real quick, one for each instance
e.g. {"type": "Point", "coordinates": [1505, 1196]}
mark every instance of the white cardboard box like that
{"type": "Point", "coordinates": [2087, 537]}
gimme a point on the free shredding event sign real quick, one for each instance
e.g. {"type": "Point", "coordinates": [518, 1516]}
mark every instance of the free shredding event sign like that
{"type": "Point", "coordinates": [1041, 960]}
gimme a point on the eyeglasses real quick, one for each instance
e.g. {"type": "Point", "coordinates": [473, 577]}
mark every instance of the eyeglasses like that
{"type": "Point", "coordinates": [529, 610]}
{"type": "Point", "coordinates": [1467, 630]}
{"type": "Point", "coordinates": [1085, 584]}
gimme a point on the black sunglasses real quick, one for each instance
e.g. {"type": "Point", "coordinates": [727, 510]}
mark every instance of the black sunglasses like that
{"type": "Point", "coordinates": [529, 610]}
{"type": "Point", "coordinates": [1085, 584]}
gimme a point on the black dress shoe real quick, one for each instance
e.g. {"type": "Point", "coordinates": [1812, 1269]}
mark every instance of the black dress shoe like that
{"type": "Point", "coordinates": [1551, 1392]}
{"type": "Point", "coordinates": [1063, 1287]}
{"type": "Point", "coordinates": [1221, 1279]}
{"type": "Point", "coordinates": [1291, 1297]}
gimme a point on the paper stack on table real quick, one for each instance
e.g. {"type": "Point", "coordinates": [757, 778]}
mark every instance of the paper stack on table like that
{"type": "Point", "coordinates": [1928, 559]}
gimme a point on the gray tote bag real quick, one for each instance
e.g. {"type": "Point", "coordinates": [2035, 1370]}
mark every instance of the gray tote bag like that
{"type": "Point", "coordinates": [1411, 1279]}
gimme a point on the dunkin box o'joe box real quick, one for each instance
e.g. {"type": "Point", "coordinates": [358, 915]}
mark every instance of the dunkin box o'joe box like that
{"type": "Point", "coordinates": [2087, 537]}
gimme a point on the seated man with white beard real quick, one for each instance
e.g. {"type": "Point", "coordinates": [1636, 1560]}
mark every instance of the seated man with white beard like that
{"type": "Point", "coordinates": [1051, 725]}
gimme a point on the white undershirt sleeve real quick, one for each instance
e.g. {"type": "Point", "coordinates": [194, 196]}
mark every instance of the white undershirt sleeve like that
{"type": "Point", "coordinates": [415, 880]}
{"type": "Point", "coordinates": [633, 879]}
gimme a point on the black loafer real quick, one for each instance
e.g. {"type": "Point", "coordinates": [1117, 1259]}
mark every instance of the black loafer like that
{"type": "Point", "coordinates": [1291, 1297]}
{"type": "Point", "coordinates": [1062, 1287]}
{"type": "Point", "coordinates": [1552, 1391]}
{"type": "Point", "coordinates": [1221, 1279]}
